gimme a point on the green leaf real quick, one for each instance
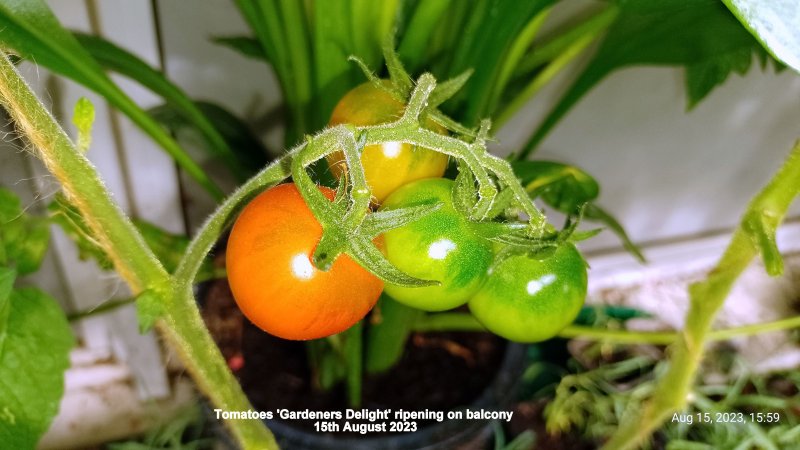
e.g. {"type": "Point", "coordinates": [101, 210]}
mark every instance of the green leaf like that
{"type": "Point", "coordinates": [598, 214]}
{"type": "Point", "coordinates": [658, 32]}
{"type": "Point", "coordinates": [125, 63]}
{"type": "Point", "coordinates": [561, 186]}
{"type": "Point", "coordinates": [7, 277]}
{"type": "Point", "coordinates": [704, 76]}
{"type": "Point", "coordinates": [364, 252]}
{"type": "Point", "coordinates": [83, 119]}
{"type": "Point", "coordinates": [485, 42]}
{"type": "Point", "coordinates": [448, 88]}
{"type": "Point", "coordinates": [149, 308]}
{"type": "Point", "coordinates": [66, 215]}
{"type": "Point", "coordinates": [774, 24]}
{"type": "Point", "coordinates": [23, 238]}
{"type": "Point", "coordinates": [382, 221]}
{"type": "Point", "coordinates": [31, 29]}
{"type": "Point", "coordinates": [32, 364]}
{"type": "Point", "coordinates": [168, 247]}
{"type": "Point", "coordinates": [333, 43]}
{"type": "Point", "coordinates": [415, 40]}
{"type": "Point", "coordinates": [247, 148]}
{"type": "Point", "coordinates": [246, 45]}
{"type": "Point", "coordinates": [762, 228]}
{"type": "Point", "coordinates": [390, 324]}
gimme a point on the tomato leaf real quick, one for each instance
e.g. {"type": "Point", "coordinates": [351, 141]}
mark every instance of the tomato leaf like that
{"type": "Point", "coordinates": [704, 76]}
{"type": "Point", "coordinates": [660, 32]}
{"type": "Point", "coordinates": [246, 45]}
{"type": "Point", "coordinates": [364, 252]}
{"type": "Point", "coordinates": [168, 247]}
{"type": "Point", "coordinates": [33, 359]}
{"type": "Point", "coordinates": [382, 221]}
{"type": "Point", "coordinates": [31, 29]}
{"type": "Point", "coordinates": [83, 119]}
{"type": "Point", "coordinates": [66, 216]}
{"type": "Point", "coordinates": [774, 24]}
{"type": "Point", "coordinates": [448, 88]}
{"type": "Point", "coordinates": [561, 186]}
{"type": "Point", "coordinates": [596, 213]}
{"type": "Point", "coordinates": [23, 238]}
{"type": "Point", "coordinates": [762, 228]}
{"type": "Point", "coordinates": [149, 308]}
{"type": "Point", "coordinates": [397, 73]}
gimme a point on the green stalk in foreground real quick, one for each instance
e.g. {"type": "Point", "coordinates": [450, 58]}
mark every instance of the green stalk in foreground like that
{"type": "Point", "coordinates": [134, 261]}
{"type": "Point", "coordinates": [755, 234]}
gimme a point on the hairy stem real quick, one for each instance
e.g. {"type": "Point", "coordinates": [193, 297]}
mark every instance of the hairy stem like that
{"type": "Point", "coordinates": [134, 261]}
{"type": "Point", "coordinates": [126, 248]}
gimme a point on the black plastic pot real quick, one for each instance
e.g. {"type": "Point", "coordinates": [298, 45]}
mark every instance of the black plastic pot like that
{"type": "Point", "coordinates": [447, 435]}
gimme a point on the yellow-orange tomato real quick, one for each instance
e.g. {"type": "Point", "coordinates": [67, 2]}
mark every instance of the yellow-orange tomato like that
{"type": "Point", "coordinates": [273, 280]}
{"type": "Point", "coordinates": [391, 165]}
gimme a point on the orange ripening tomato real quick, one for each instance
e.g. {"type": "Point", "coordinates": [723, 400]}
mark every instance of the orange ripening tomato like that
{"type": "Point", "coordinates": [272, 277]}
{"type": "Point", "coordinates": [393, 164]}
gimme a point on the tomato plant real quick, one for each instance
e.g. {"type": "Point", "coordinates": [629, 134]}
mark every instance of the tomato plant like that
{"type": "Point", "coordinates": [440, 246]}
{"type": "Point", "coordinates": [530, 300]}
{"type": "Point", "coordinates": [392, 164]}
{"type": "Point", "coordinates": [273, 280]}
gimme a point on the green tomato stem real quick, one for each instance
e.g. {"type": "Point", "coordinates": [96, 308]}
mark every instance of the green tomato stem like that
{"type": "Point", "coordinates": [466, 322]}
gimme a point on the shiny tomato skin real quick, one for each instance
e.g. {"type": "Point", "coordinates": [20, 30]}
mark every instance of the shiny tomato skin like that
{"type": "Point", "coordinates": [529, 300]}
{"type": "Point", "coordinates": [440, 246]}
{"type": "Point", "coordinates": [276, 286]}
{"type": "Point", "coordinates": [390, 165]}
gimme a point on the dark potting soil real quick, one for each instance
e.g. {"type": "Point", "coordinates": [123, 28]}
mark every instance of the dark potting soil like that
{"type": "Point", "coordinates": [438, 371]}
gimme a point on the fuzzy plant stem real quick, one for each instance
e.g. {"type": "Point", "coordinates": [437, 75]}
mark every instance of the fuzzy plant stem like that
{"type": "Point", "coordinates": [132, 258]}
{"type": "Point", "coordinates": [754, 235]}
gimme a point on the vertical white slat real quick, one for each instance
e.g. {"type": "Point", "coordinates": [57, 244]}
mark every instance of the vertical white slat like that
{"type": "Point", "coordinates": [153, 179]}
{"type": "Point", "coordinates": [208, 71]}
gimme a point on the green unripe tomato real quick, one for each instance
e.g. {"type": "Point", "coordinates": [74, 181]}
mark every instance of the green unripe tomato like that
{"type": "Point", "coordinates": [528, 300]}
{"type": "Point", "coordinates": [440, 246]}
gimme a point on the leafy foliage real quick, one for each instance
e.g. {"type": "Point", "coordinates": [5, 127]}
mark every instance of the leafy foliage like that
{"type": "Point", "coordinates": [23, 238]}
{"type": "Point", "coordinates": [184, 432]}
{"type": "Point", "coordinates": [83, 119]}
{"type": "Point", "coordinates": [33, 356]}
{"type": "Point", "coordinates": [168, 247]}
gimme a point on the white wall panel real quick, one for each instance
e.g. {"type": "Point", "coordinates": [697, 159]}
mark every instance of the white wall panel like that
{"type": "Point", "coordinates": [664, 172]}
